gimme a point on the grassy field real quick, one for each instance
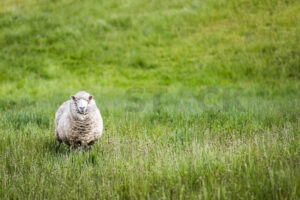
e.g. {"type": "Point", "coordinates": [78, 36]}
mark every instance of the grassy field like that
{"type": "Point", "coordinates": [200, 99]}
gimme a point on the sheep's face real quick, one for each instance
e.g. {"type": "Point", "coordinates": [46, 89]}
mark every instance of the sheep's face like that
{"type": "Point", "coordinates": [81, 103]}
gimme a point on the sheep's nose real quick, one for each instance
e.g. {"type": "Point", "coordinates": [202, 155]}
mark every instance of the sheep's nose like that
{"type": "Point", "coordinates": [81, 108]}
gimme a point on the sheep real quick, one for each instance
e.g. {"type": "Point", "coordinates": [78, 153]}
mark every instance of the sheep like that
{"type": "Point", "coordinates": [78, 122]}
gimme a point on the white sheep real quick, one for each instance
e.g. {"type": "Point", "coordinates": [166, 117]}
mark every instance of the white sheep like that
{"type": "Point", "coordinates": [78, 121]}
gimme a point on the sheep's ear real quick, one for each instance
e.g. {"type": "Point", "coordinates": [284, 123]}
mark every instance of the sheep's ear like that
{"type": "Point", "coordinates": [73, 98]}
{"type": "Point", "coordinates": [90, 98]}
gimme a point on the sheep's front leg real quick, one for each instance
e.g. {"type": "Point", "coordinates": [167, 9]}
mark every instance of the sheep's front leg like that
{"type": "Point", "coordinates": [88, 148]}
{"type": "Point", "coordinates": [57, 147]}
{"type": "Point", "coordinates": [89, 145]}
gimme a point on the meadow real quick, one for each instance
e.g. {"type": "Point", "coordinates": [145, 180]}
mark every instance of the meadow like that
{"type": "Point", "coordinates": [200, 98]}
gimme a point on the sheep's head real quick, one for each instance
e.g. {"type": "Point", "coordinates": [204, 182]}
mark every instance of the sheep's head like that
{"type": "Point", "coordinates": [81, 102]}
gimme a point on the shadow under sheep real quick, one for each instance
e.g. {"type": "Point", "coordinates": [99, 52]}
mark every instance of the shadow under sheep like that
{"type": "Point", "coordinates": [50, 145]}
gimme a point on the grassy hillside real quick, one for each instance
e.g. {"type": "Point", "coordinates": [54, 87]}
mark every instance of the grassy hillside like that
{"type": "Point", "coordinates": [200, 99]}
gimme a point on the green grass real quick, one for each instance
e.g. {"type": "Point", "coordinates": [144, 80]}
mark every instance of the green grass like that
{"type": "Point", "coordinates": [200, 99]}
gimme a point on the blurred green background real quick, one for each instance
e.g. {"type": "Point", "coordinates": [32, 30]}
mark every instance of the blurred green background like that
{"type": "Point", "coordinates": [119, 44]}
